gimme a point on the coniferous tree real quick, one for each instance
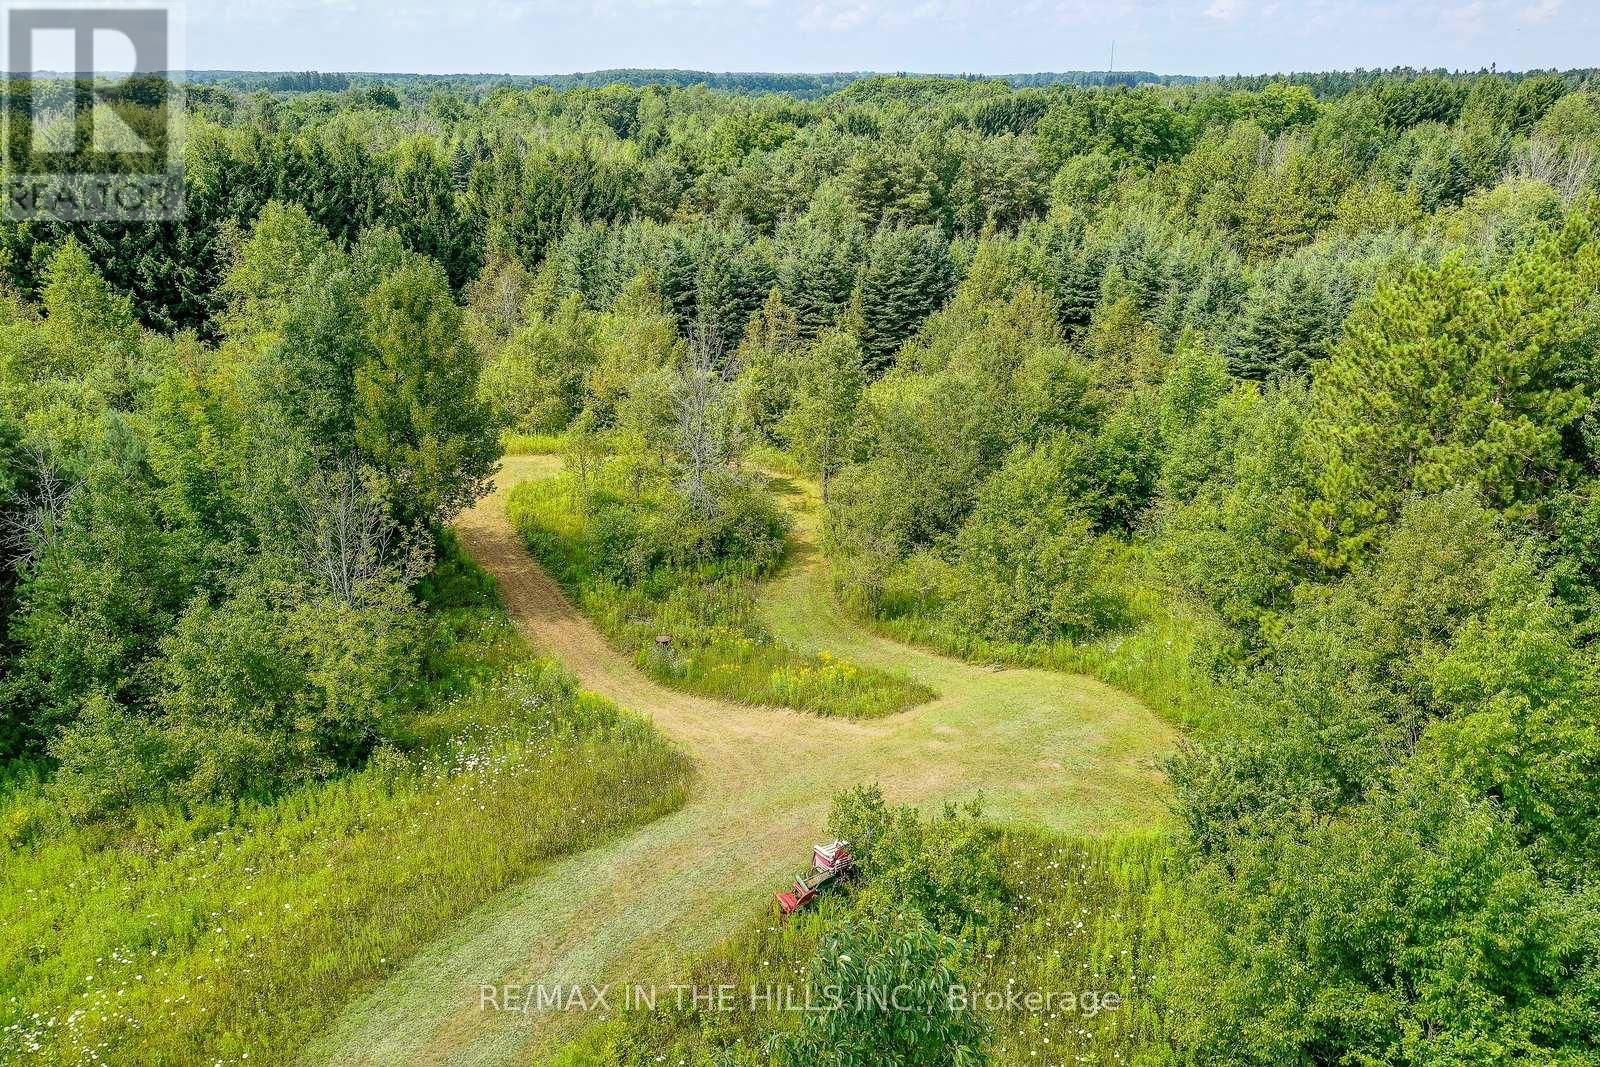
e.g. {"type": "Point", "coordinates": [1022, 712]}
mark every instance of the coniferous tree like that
{"type": "Point", "coordinates": [418, 420]}
{"type": "Point", "coordinates": [909, 275]}
{"type": "Point", "coordinates": [817, 272]}
{"type": "Point", "coordinates": [1289, 323]}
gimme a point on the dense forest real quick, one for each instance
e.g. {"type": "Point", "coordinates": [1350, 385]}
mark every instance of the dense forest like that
{"type": "Point", "coordinates": [1272, 401]}
{"type": "Point", "coordinates": [802, 86]}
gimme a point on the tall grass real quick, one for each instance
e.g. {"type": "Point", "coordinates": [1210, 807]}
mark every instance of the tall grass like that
{"type": "Point", "coordinates": [1161, 659]}
{"type": "Point", "coordinates": [715, 642]}
{"type": "Point", "coordinates": [1091, 918]}
{"type": "Point", "coordinates": [234, 934]}
{"type": "Point", "coordinates": [533, 444]}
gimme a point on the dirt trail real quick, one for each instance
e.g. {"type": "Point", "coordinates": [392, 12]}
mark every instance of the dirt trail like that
{"type": "Point", "coordinates": [1056, 750]}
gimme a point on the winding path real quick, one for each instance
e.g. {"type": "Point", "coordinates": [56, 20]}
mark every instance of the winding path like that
{"type": "Point", "coordinates": [1055, 750]}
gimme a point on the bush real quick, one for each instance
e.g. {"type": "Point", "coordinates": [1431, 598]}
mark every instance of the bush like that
{"type": "Point", "coordinates": [163, 940]}
{"type": "Point", "coordinates": [1086, 919]}
{"type": "Point", "coordinates": [646, 564]}
{"type": "Point", "coordinates": [266, 689]}
{"type": "Point", "coordinates": [742, 531]}
{"type": "Point", "coordinates": [896, 982]}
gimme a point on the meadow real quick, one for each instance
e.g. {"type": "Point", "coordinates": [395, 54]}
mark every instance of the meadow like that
{"type": "Point", "coordinates": [716, 643]}
{"type": "Point", "coordinates": [233, 934]}
{"type": "Point", "coordinates": [1087, 920]}
{"type": "Point", "coordinates": [1160, 658]}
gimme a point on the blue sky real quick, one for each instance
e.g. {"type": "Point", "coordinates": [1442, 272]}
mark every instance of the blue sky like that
{"type": "Point", "coordinates": [999, 36]}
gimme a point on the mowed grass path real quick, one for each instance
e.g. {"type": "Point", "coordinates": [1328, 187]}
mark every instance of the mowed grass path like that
{"type": "Point", "coordinates": [1059, 751]}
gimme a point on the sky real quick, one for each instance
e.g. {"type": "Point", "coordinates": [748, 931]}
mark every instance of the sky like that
{"type": "Point", "coordinates": [936, 36]}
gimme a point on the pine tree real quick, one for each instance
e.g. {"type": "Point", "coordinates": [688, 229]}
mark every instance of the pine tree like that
{"type": "Point", "coordinates": [1289, 323]}
{"type": "Point", "coordinates": [909, 275]}
{"type": "Point", "coordinates": [1449, 379]}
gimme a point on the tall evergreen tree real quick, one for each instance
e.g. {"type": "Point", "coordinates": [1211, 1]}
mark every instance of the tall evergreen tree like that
{"type": "Point", "coordinates": [1289, 323]}
{"type": "Point", "coordinates": [909, 275]}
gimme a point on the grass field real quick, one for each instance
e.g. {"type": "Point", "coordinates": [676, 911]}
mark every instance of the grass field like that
{"type": "Point", "coordinates": [1087, 917]}
{"type": "Point", "coordinates": [533, 444]}
{"type": "Point", "coordinates": [715, 643]}
{"type": "Point", "coordinates": [1061, 753]}
{"type": "Point", "coordinates": [1156, 661]}
{"type": "Point", "coordinates": [235, 935]}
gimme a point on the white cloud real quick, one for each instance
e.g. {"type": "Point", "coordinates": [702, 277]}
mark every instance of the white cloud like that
{"type": "Point", "coordinates": [1467, 19]}
{"type": "Point", "coordinates": [1540, 12]}
{"type": "Point", "coordinates": [835, 16]}
{"type": "Point", "coordinates": [1224, 10]}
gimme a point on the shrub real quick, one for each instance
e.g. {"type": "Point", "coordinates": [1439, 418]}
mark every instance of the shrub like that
{"type": "Point", "coordinates": [163, 940]}
{"type": "Point", "coordinates": [647, 564]}
{"type": "Point", "coordinates": [896, 985]}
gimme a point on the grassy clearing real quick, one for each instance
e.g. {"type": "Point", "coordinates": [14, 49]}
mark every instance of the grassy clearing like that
{"type": "Point", "coordinates": [235, 934]}
{"type": "Point", "coordinates": [717, 644]}
{"type": "Point", "coordinates": [1090, 918]}
{"type": "Point", "coordinates": [533, 444]}
{"type": "Point", "coordinates": [1063, 753]}
{"type": "Point", "coordinates": [1159, 660]}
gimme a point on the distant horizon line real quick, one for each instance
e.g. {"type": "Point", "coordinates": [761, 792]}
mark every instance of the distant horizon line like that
{"type": "Point", "coordinates": [857, 74]}
{"type": "Point", "coordinates": [888, 73]}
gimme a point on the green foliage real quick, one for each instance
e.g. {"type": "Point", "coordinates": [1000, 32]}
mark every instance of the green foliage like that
{"type": "Point", "coordinates": [908, 276]}
{"type": "Point", "coordinates": [423, 203]}
{"type": "Point", "coordinates": [1414, 931]}
{"type": "Point", "coordinates": [1451, 379]}
{"type": "Point", "coordinates": [1411, 779]}
{"type": "Point", "coordinates": [820, 421]}
{"type": "Point", "coordinates": [941, 869]}
{"type": "Point", "coordinates": [648, 564]}
{"type": "Point", "coordinates": [418, 421]}
{"type": "Point", "coordinates": [1130, 126]}
{"type": "Point", "coordinates": [1026, 564]}
{"type": "Point", "coordinates": [284, 245]}
{"type": "Point", "coordinates": [767, 358]}
{"type": "Point", "coordinates": [817, 271]}
{"type": "Point", "coordinates": [214, 547]}
{"type": "Point", "coordinates": [1286, 205]}
{"type": "Point", "coordinates": [86, 319]}
{"type": "Point", "coordinates": [1238, 472]}
{"type": "Point", "coordinates": [1290, 324]}
{"type": "Point", "coordinates": [896, 983]}
{"type": "Point", "coordinates": [1085, 920]}
{"type": "Point", "coordinates": [1269, 400]}
{"type": "Point", "coordinates": [106, 578]}
{"type": "Point", "coordinates": [164, 940]}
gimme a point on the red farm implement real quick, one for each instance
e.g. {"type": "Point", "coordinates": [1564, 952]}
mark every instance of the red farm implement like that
{"type": "Point", "coordinates": [827, 863]}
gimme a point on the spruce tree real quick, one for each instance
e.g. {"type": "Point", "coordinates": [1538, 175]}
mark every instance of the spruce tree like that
{"type": "Point", "coordinates": [817, 273]}
{"type": "Point", "coordinates": [1289, 323]}
{"type": "Point", "coordinates": [909, 275]}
